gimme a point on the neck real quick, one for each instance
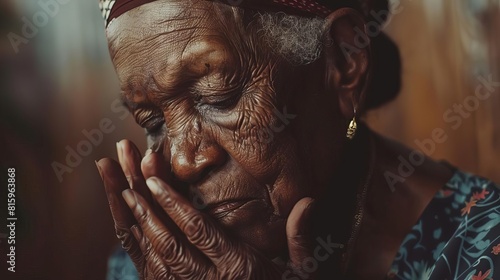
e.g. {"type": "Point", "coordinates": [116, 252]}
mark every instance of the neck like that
{"type": "Point", "coordinates": [337, 220]}
{"type": "Point", "coordinates": [371, 246]}
{"type": "Point", "coordinates": [392, 210]}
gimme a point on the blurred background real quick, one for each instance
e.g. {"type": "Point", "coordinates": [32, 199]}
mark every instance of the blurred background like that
{"type": "Point", "coordinates": [58, 85]}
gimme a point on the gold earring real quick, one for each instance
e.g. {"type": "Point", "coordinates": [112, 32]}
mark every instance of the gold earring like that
{"type": "Point", "coordinates": [353, 126]}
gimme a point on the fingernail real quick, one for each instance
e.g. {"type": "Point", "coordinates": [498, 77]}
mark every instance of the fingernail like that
{"type": "Point", "coordinates": [137, 232]}
{"type": "Point", "coordinates": [130, 198]}
{"type": "Point", "coordinates": [154, 186]}
{"type": "Point", "coordinates": [98, 168]}
{"type": "Point", "coordinates": [148, 152]}
{"type": "Point", "coordinates": [131, 151]}
{"type": "Point", "coordinates": [119, 151]}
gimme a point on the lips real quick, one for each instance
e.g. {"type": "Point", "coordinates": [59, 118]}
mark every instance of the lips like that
{"type": "Point", "coordinates": [220, 210]}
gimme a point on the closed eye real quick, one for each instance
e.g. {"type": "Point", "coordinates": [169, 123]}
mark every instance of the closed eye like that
{"type": "Point", "coordinates": [225, 101]}
{"type": "Point", "coordinates": [151, 119]}
{"type": "Point", "coordinates": [157, 130]}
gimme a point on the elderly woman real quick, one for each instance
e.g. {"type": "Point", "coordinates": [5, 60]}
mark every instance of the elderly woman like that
{"type": "Point", "coordinates": [259, 166]}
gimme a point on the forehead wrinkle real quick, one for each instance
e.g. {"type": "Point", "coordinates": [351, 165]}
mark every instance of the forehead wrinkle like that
{"type": "Point", "coordinates": [140, 69]}
{"type": "Point", "coordinates": [241, 35]}
{"type": "Point", "coordinates": [135, 90]}
{"type": "Point", "coordinates": [155, 41]}
{"type": "Point", "coordinates": [154, 18]}
{"type": "Point", "coordinates": [141, 51]}
{"type": "Point", "coordinates": [155, 52]}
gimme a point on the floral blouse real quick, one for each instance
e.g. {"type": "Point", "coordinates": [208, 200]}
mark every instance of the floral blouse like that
{"type": "Point", "coordinates": [457, 237]}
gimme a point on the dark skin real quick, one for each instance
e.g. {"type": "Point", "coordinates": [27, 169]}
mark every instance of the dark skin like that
{"type": "Point", "coordinates": [207, 91]}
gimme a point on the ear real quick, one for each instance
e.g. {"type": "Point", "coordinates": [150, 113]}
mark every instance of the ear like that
{"type": "Point", "coordinates": [347, 57]}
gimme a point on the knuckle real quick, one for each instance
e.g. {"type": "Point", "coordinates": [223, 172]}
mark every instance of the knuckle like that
{"type": "Point", "coordinates": [144, 218]}
{"type": "Point", "coordinates": [199, 231]}
{"type": "Point", "coordinates": [195, 225]}
{"type": "Point", "coordinates": [168, 247]}
{"type": "Point", "coordinates": [163, 196]}
{"type": "Point", "coordinates": [121, 233]}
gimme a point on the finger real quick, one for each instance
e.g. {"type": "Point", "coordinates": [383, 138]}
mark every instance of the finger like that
{"type": "Point", "coordinates": [197, 227]}
{"type": "Point", "coordinates": [174, 250]}
{"type": "Point", "coordinates": [130, 161]}
{"type": "Point", "coordinates": [154, 267]}
{"type": "Point", "coordinates": [298, 231]}
{"type": "Point", "coordinates": [114, 183]}
{"type": "Point", "coordinates": [154, 165]}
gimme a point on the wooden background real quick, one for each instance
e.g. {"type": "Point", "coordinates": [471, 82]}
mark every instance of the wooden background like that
{"type": "Point", "coordinates": [446, 46]}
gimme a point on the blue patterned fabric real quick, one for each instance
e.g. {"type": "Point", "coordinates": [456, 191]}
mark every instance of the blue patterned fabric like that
{"type": "Point", "coordinates": [121, 267]}
{"type": "Point", "coordinates": [457, 237]}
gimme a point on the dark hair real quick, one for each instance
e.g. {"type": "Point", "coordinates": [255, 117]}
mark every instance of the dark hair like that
{"type": "Point", "coordinates": [386, 72]}
{"type": "Point", "coordinates": [386, 69]}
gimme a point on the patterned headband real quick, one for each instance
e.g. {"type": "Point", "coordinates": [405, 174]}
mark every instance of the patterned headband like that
{"type": "Point", "coordinates": [112, 9]}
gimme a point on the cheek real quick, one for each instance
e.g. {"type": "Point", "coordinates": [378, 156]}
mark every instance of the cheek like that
{"type": "Point", "coordinates": [257, 138]}
{"type": "Point", "coordinates": [320, 134]}
{"type": "Point", "coordinates": [263, 145]}
{"type": "Point", "coordinates": [281, 172]}
{"type": "Point", "coordinates": [284, 187]}
{"type": "Point", "coordinates": [291, 183]}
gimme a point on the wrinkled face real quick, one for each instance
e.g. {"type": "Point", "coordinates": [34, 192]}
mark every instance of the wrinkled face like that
{"type": "Point", "coordinates": [245, 132]}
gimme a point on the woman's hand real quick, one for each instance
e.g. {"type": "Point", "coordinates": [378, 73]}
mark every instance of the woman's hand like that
{"type": "Point", "coordinates": [167, 238]}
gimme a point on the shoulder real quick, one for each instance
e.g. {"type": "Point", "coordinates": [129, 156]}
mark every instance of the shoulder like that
{"type": "Point", "coordinates": [465, 182]}
{"type": "Point", "coordinates": [473, 193]}
{"type": "Point", "coordinates": [457, 235]}
{"type": "Point", "coordinates": [474, 247]}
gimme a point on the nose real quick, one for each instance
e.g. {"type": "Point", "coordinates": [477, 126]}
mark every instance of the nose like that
{"type": "Point", "coordinates": [192, 162]}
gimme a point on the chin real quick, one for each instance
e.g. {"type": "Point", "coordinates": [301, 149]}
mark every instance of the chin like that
{"type": "Point", "coordinates": [257, 226]}
{"type": "Point", "coordinates": [269, 239]}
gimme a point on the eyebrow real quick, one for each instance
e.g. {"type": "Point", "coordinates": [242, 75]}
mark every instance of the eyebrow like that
{"type": "Point", "coordinates": [141, 83]}
{"type": "Point", "coordinates": [133, 87]}
{"type": "Point", "coordinates": [138, 86]}
{"type": "Point", "coordinates": [147, 83]}
{"type": "Point", "coordinates": [130, 105]}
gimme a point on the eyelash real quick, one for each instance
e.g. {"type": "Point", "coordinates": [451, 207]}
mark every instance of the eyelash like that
{"type": "Point", "coordinates": [154, 124]}
{"type": "Point", "coordinates": [158, 129]}
{"type": "Point", "coordinates": [224, 104]}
